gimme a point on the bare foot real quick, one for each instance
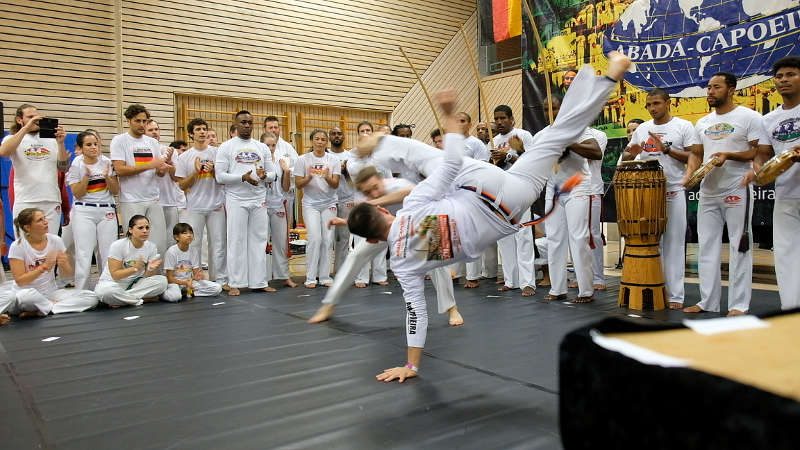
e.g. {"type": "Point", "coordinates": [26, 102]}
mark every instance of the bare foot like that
{"type": "Point", "coordinates": [528, 291]}
{"type": "Point", "coordinates": [323, 313]}
{"type": "Point", "coordinates": [471, 284]}
{"type": "Point", "coordinates": [675, 305]}
{"type": "Point", "coordinates": [500, 282]}
{"type": "Point", "coordinates": [582, 300]}
{"type": "Point", "coordinates": [736, 312]}
{"type": "Point", "coordinates": [382, 283]}
{"type": "Point", "coordinates": [233, 292]}
{"type": "Point", "coordinates": [552, 298]}
{"type": "Point", "coordinates": [693, 309]}
{"type": "Point", "coordinates": [268, 289]}
{"type": "Point", "coordinates": [29, 314]}
{"type": "Point", "coordinates": [618, 64]}
{"type": "Point", "coordinates": [311, 285]}
{"type": "Point", "coordinates": [327, 284]}
{"type": "Point", "coordinates": [4, 319]}
{"type": "Point", "coordinates": [290, 283]}
{"type": "Point", "coordinates": [455, 318]}
{"type": "Point", "coordinates": [150, 299]}
{"type": "Point", "coordinates": [545, 282]}
{"type": "Point", "coordinates": [361, 285]}
{"type": "Point", "coordinates": [599, 287]}
{"type": "Point", "coordinates": [574, 284]}
{"type": "Point", "coordinates": [505, 288]}
{"type": "Point", "coordinates": [226, 287]}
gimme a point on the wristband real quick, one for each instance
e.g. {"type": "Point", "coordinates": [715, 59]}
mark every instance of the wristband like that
{"type": "Point", "coordinates": [412, 367]}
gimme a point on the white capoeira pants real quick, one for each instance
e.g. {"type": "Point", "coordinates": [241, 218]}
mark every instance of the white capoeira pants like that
{"type": "Point", "coordinates": [341, 235]}
{"type": "Point", "coordinates": [278, 263]}
{"type": "Point", "coordinates": [541, 246]}
{"type": "Point", "coordinates": [786, 241]}
{"type": "Point", "coordinates": [201, 288]}
{"type": "Point", "coordinates": [596, 233]}
{"type": "Point", "coordinates": [517, 253]}
{"type": "Point", "coordinates": [673, 246]}
{"type": "Point", "coordinates": [155, 214]}
{"type": "Point", "coordinates": [114, 293]}
{"type": "Point", "coordinates": [51, 210]}
{"type": "Point", "coordinates": [486, 266]}
{"type": "Point", "coordinates": [319, 243]}
{"type": "Point", "coordinates": [568, 231]}
{"type": "Point", "coordinates": [712, 214]}
{"type": "Point", "coordinates": [378, 265]}
{"type": "Point", "coordinates": [172, 216]}
{"type": "Point", "coordinates": [214, 224]}
{"type": "Point", "coordinates": [248, 232]}
{"type": "Point", "coordinates": [93, 227]}
{"type": "Point", "coordinates": [362, 254]}
{"type": "Point", "coordinates": [18, 300]}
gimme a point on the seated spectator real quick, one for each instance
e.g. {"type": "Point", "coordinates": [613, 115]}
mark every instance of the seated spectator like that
{"type": "Point", "coordinates": [182, 265]}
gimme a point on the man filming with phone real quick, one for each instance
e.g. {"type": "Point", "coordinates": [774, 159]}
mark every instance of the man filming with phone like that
{"type": "Point", "coordinates": [36, 148]}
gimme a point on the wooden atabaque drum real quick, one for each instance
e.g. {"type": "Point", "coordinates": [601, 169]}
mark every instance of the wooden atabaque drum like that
{"type": "Point", "coordinates": [640, 190]}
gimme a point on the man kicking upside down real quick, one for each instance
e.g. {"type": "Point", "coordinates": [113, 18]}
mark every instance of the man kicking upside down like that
{"type": "Point", "coordinates": [465, 205]}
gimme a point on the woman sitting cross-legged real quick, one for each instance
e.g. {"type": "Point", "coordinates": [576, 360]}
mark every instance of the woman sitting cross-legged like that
{"type": "Point", "coordinates": [130, 275]}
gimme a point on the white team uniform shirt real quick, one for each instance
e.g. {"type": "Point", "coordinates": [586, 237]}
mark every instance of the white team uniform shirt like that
{"type": "Point", "coordinates": [569, 166]}
{"type": "Point", "coordinates": [596, 165]}
{"type": "Point", "coordinates": [730, 132]}
{"type": "Point", "coordinates": [237, 156]}
{"type": "Point", "coordinates": [124, 251]}
{"type": "Point", "coordinates": [169, 194]}
{"type": "Point", "coordinates": [678, 134]}
{"type": "Point", "coordinates": [285, 150]}
{"type": "Point", "coordinates": [318, 193]}
{"type": "Point", "coordinates": [346, 191]}
{"type": "Point", "coordinates": [141, 187]}
{"type": "Point", "coordinates": [275, 194]}
{"type": "Point", "coordinates": [21, 249]}
{"type": "Point", "coordinates": [35, 163]}
{"type": "Point", "coordinates": [97, 188]}
{"type": "Point", "coordinates": [475, 149]}
{"type": "Point", "coordinates": [501, 141]}
{"type": "Point", "coordinates": [205, 194]}
{"type": "Point", "coordinates": [181, 262]}
{"type": "Point", "coordinates": [782, 132]}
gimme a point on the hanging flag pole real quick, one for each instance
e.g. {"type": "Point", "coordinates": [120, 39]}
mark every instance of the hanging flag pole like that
{"type": "Point", "coordinates": [481, 94]}
{"type": "Point", "coordinates": [424, 90]}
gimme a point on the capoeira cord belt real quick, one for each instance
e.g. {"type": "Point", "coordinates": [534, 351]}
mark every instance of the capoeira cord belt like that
{"type": "Point", "coordinates": [744, 242]}
{"type": "Point", "coordinates": [491, 200]}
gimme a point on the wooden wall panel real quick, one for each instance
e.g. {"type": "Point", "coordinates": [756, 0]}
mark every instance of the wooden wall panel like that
{"type": "Point", "coordinates": [59, 57]}
{"type": "Point", "coordinates": [453, 69]}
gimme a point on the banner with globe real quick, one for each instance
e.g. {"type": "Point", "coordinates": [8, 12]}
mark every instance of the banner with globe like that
{"type": "Point", "coordinates": [676, 45]}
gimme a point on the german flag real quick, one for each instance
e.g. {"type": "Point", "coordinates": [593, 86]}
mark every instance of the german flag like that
{"type": "Point", "coordinates": [500, 20]}
{"type": "Point", "coordinates": [142, 158]}
{"type": "Point", "coordinates": [96, 185]}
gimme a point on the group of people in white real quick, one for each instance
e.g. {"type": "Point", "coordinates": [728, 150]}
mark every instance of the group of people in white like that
{"type": "Point", "coordinates": [240, 194]}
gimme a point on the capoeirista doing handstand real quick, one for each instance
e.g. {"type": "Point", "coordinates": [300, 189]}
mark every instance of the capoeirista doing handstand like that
{"type": "Point", "coordinates": [464, 205]}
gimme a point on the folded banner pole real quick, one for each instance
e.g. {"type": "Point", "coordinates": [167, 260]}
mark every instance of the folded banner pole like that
{"type": "Point", "coordinates": [481, 94]}
{"type": "Point", "coordinates": [424, 90]}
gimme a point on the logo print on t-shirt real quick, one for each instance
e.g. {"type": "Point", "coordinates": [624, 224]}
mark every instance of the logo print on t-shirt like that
{"type": "Point", "coordinates": [35, 153]}
{"type": "Point", "coordinates": [97, 184]}
{"type": "Point", "coordinates": [652, 147]}
{"type": "Point", "coordinates": [733, 200]}
{"type": "Point", "coordinates": [318, 170]}
{"type": "Point", "coordinates": [719, 131]}
{"type": "Point", "coordinates": [247, 157]}
{"type": "Point", "coordinates": [142, 156]}
{"type": "Point", "coordinates": [204, 172]}
{"type": "Point", "coordinates": [36, 263]}
{"type": "Point", "coordinates": [787, 130]}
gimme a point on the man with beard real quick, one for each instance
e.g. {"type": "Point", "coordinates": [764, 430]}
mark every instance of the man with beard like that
{"type": "Point", "coordinates": [344, 192]}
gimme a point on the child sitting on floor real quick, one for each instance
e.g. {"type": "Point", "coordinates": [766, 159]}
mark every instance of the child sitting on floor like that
{"type": "Point", "coordinates": [183, 269]}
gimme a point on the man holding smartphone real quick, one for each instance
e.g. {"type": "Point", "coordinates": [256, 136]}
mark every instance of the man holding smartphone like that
{"type": "Point", "coordinates": [36, 160]}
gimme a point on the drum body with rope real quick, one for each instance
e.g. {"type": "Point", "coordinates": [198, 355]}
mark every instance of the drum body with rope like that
{"type": "Point", "coordinates": [640, 190]}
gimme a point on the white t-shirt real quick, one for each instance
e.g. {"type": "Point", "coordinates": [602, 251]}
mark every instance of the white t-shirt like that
{"type": "Point", "coordinates": [182, 262]}
{"type": "Point", "coordinates": [205, 194]}
{"type": "Point", "coordinates": [678, 134]}
{"type": "Point", "coordinates": [284, 149]}
{"type": "Point", "coordinates": [318, 193]}
{"type": "Point", "coordinates": [275, 193]}
{"type": "Point", "coordinates": [96, 190]}
{"type": "Point", "coordinates": [475, 149]}
{"type": "Point", "coordinates": [729, 132]}
{"type": "Point", "coordinates": [124, 251]}
{"type": "Point", "coordinates": [501, 141]}
{"type": "Point", "coordinates": [596, 165]}
{"type": "Point", "coordinates": [169, 194]}
{"type": "Point", "coordinates": [782, 131]}
{"type": "Point", "coordinates": [141, 187]}
{"type": "Point", "coordinates": [346, 191]}
{"type": "Point", "coordinates": [237, 156]}
{"type": "Point", "coordinates": [36, 169]}
{"type": "Point", "coordinates": [21, 249]}
{"type": "Point", "coordinates": [569, 166]}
